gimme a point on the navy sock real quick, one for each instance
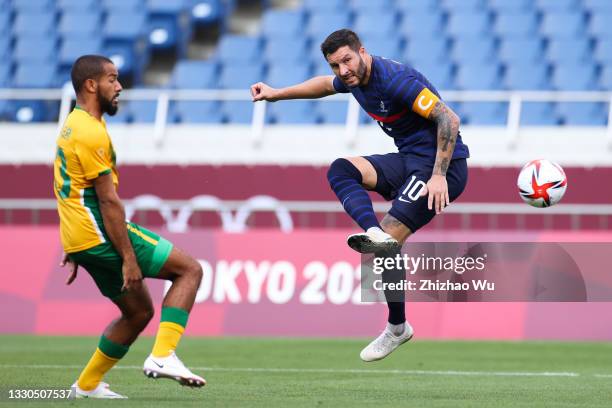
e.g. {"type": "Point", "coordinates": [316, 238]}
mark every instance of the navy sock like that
{"type": "Point", "coordinates": [395, 298]}
{"type": "Point", "coordinates": [345, 180]}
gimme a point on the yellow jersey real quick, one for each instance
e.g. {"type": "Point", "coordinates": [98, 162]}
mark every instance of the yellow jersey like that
{"type": "Point", "coordinates": [84, 152]}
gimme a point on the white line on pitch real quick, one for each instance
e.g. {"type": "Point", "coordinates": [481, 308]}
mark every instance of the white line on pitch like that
{"type": "Point", "coordinates": [332, 371]}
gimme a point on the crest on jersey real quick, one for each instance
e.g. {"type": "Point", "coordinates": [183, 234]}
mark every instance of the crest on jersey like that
{"type": "Point", "coordinates": [383, 108]}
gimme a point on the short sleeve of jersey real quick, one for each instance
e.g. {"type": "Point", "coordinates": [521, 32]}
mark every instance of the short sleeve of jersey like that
{"type": "Point", "coordinates": [339, 86]}
{"type": "Point", "coordinates": [409, 91]}
{"type": "Point", "coordinates": [94, 155]}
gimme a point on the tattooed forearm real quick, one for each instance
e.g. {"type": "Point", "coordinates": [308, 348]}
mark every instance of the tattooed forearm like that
{"type": "Point", "coordinates": [448, 127]}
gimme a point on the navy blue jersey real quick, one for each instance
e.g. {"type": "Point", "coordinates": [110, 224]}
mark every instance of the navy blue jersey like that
{"type": "Point", "coordinates": [393, 93]}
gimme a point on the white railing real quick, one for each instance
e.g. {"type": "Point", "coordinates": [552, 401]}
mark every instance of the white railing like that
{"type": "Point", "coordinates": [163, 97]}
{"type": "Point", "coordinates": [234, 214]}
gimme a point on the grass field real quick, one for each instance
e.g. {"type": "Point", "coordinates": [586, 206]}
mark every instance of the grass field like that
{"type": "Point", "coordinates": [261, 372]}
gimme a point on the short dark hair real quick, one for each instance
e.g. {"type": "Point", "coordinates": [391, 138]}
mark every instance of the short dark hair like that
{"type": "Point", "coordinates": [87, 67]}
{"type": "Point", "coordinates": [339, 39]}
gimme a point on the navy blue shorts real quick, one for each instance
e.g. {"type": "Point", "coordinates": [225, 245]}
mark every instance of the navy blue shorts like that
{"type": "Point", "coordinates": [402, 177]}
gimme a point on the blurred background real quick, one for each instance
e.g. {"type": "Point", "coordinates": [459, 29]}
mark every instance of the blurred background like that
{"type": "Point", "coordinates": [242, 186]}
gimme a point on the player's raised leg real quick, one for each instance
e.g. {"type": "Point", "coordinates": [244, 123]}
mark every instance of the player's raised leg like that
{"type": "Point", "coordinates": [349, 179]}
{"type": "Point", "coordinates": [185, 274]}
{"type": "Point", "coordinates": [136, 312]}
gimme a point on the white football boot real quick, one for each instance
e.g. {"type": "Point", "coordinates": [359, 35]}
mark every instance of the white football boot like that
{"type": "Point", "coordinates": [173, 368]}
{"type": "Point", "coordinates": [371, 241]}
{"type": "Point", "coordinates": [101, 391]}
{"type": "Point", "coordinates": [384, 344]}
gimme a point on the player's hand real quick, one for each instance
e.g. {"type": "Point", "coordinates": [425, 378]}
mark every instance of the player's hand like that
{"type": "Point", "coordinates": [132, 276]}
{"type": "Point", "coordinates": [73, 267]}
{"type": "Point", "coordinates": [263, 92]}
{"type": "Point", "coordinates": [437, 188]}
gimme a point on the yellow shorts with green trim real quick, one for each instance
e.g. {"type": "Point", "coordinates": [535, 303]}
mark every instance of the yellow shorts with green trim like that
{"type": "Point", "coordinates": [104, 264]}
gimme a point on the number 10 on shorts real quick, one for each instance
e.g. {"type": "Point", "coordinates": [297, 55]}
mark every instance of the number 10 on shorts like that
{"type": "Point", "coordinates": [413, 190]}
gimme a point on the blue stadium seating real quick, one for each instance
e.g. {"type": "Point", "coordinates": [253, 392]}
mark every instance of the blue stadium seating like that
{"type": "Point", "coordinates": [282, 49]}
{"type": "Point", "coordinates": [33, 5]}
{"type": "Point", "coordinates": [323, 24]}
{"type": "Point", "coordinates": [80, 24]}
{"type": "Point", "coordinates": [516, 25]}
{"type": "Point", "coordinates": [582, 113]}
{"type": "Point", "coordinates": [478, 77]}
{"type": "Point", "coordinates": [557, 5]}
{"type": "Point", "coordinates": [321, 67]}
{"type": "Point", "coordinates": [282, 75]}
{"type": "Point", "coordinates": [325, 6]}
{"type": "Point", "coordinates": [480, 49]}
{"type": "Point", "coordinates": [369, 6]}
{"type": "Point", "coordinates": [39, 49]}
{"type": "Point", "coordinates": [574, 77]}
{"type": "Point", "coordinates": [78, 5]}
{"type": "Point", "coordinates": [525, 50]}
{"type": "Point", "coordinates": [421, 26]}
{"type": "Point", "coordinates": [375, 24]}
{"type": "Point", "coordinates": [454, 6]}
{"type": "Point", "coordinates": [440, 74]}
{"type": "Point", "coordinates": [526, 76]}
{"type": "Point", "coordinates": [605, 78]}
{"type": "Point", "coordinates": [117, 6]}
{"type": "Point", "coordinates": [128, 62]}
{"type": "Point", "coordinates": [26, 111]}
{"type": "Point", "coordinates": [143, 111]}
{"type": "Point", "coordinates": [239, 112]}
{"type": "Point", "coordinates": [124, 26]}
{"type": "Point", "coordinates": [563, 24]}
{"type": "Point", "coordinates": [436, 49]}
{"type": "Point", "coordinates": [5, 23]}
{"type": "Point", "coordinates": [35, 76]}
{"type": "Point", "coordinates": [123, 115]}
{"type": "Point", "coordinates": [603, 52]}
{"type": "Point", "coordinates": [597, 6]}
{"type": "Point", "coordinates": [388, 47]}
{"type": "Point", "coordinates": [484, 113]}
{"type": "Point", "coordinates": [5, 75]}
{"type": "Point", "coordinates": [195, 75]}
{"type": "Point", "coordinates": [292, 112]}
{"type": "Point", "coordinates": [569, 51]}
{"type": "Point", "coordinates": [469, 24]}
{"type": "Point", "coordinates": [74, 47]}
{"type": "Point", "coordinates": [283, 23]}
{"type": "Point", "coordinates": [238, 49]}
{"type": "Point", "coordinates": [196, 112]}
{"type": "Point", "coordinates": [539, 114]}
{"type": "Point", "coordinates": [600, 25]}
{"type": "Point", "coordinates": [33, 23]}
{"type": "Point", "coordinates": [510, 6]}
{"type": "Point", "coordinates": [241, 76]}
{"type": "Point", "coordinates": [332, 112]}
{"type": "Point", "coordinates": [411, 6]}
{"type": "Point", "coordinates": [205, 12]}
{"type": "Point", "coordinates": [6, 50]}
{"type": "Point", "coordinates": [169, 25]}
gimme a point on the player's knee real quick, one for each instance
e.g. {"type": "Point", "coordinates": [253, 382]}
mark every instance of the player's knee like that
{"type": "Point", "coordinates": [343, 168]}
{"type": "Point", "coordinates": [195, 272]}
{"type": "Point", "coordinates": [141, 317]}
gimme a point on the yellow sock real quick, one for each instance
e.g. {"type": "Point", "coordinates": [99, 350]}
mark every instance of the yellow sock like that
{"type": "Point", "coordinates": [98, 365]}
{"type": "Point", "coordinates": [168, 336]}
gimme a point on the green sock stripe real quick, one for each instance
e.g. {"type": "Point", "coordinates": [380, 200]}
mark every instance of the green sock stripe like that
{"type": "Point", "coordinates": [174, 315]}
{"type": "Point", "coordinates": [111, 349]}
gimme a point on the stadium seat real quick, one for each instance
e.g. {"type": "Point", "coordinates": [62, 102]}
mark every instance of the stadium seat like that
{"type": "Point", "coordinates": [369, 6]}
{"type": "Point", "coordinates": [454, 6]}
{"type": "Point", "coordinates": [484, 113]}
{"type": "Point", "coordinates": [569, 51]}
{"type": "Point", "coordinates": [189, 74]}
{"type": "Point", "coordinates": [238, 112]}
{"type": "Point", "coordinates": [574, 77]}
{"type": "Point", "coordinates": [562, 24]}
{"type": "Point", "coordinates": [74, 47]}
{"type": "Point", "coordinates": [582, 113]}
{"type": "Point", "coordinates": [510, 6]}
{"type": "Point", "coordinates": [548, 6]}
{"type": "Point", "coordinates": [169, 25]}
{"type": "Point", "coordinates": [387, 46]}
{"type": "Point", "coordinates": [205, 12]}
{"type": "Point", "coordinates": [321, 67]}
{"type": "Point", "coordinates": [282, 23]}
{"type": "Point", "coordinates": [324, 6]}
{"type": "Point", "coordinates": [436, 49]}
{"type": "Point", "coordinates": [411, 6]}
{"type": "Point", "coordinates": [196, 112]}
{"type": "Point", "coordinates": [332, 112]}
{"type": "Point", "coordinates": [6, 50]}
{"type": "Point", "coordinates": [323, 24]}
{"type": "Point", "coordinates": [143, 111]}
{"type": "Point", "coordinates": [28, 111]}
{"type": "Point", "coordinates": [516, 25]}
{"type": "Point", "coordinates": [238, 49]}
{"type": "Point", "coordinates": [421, 26]}
{"type": "Point", "coordinates": [597, 6]}
{"type": "Point", "coordinates": [603, 52]}
{"type": "Point", "coordinates": [440, 74]}
{"type": "Point", "coordinates": [293, 112]}
{"type": "Point", "coordinates": [605, 78]}
{"type": "Point", "coordinates": [480, 49]}
{"type": "Point", "coordinates": [125, 26]}
{"type": "Point", "coordinates": [283, 49]}
{"type": "Point", "coordinates": [80, 23]}
{"type": "Point", "coordinates": [5, 23]}
{"type": "Point", "coordinates": [538, 114]}
{"type": "Point", "coordinates": [34, 23]}
{"type": "Point", "coordinates": [34, 5]}
{"type": "Point", "coordinates": [129, 63]}
{"type": "Point", "coordinates": [375, 24]}
{"type": "Point", "coordinates": [241, 76]}
{"type": "Point", "coordinates": [600, 25]}
{"type": "Point", "coordinates": [282, 75]}
{"type": "Point", "coordinates": [478, 77]}
{"type": "Point", "coordinates": [122, 116]}
{"type": "Point", "coordinates": [5, 75]}
{"type": "Point", "coordinates": [116, 6]}
{"type": "Point", "coordinates": [35, 75]}
{"type": "Point", "coordinates": [526, 76]}
{"type": "Point", "coordinates": [516, 50]}
{"type": "Point", "coordinates": [470, 24]}
{"type": "Point", "coordinates": [78, 5]}
{"type": "Point", "coordinates": [30, 49]}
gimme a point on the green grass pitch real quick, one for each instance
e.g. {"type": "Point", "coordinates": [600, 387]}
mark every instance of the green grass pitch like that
{"type": "Point", "coordinates": [280, 372]}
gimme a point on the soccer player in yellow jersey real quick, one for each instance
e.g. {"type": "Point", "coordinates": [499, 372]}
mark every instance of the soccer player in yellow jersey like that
{"type": "Point", "coordinates": [116, 253]}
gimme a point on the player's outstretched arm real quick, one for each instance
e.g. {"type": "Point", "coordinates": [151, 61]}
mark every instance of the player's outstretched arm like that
{"type": "Point", "coordinates": [316, 87]}
{"type": "Point", "coordinates": [113, 216]}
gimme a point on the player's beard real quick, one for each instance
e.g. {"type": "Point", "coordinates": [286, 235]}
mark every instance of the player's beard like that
{"type": "Point", "coordinates": [106, 105]}
{"type": "Point", "coordinates": [360, 73]}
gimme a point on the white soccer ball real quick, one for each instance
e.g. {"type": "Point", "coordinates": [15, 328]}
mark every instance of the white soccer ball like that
{"type": "Point", "coordinates": [542, 183]}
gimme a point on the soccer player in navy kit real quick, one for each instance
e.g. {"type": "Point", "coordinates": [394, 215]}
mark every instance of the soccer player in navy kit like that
{"type": "Point", "coordinates": [422, 178]}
